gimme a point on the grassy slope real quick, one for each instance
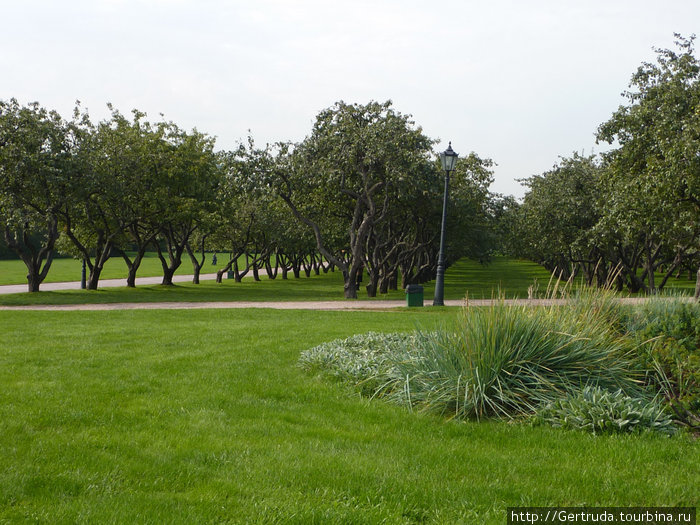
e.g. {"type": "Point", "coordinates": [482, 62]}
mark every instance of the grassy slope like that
{"type": "Point", "coordinates": [203, 416]}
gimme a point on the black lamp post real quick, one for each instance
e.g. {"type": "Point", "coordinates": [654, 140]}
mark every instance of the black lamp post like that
{"type": "Point", "coordinates": [449, 161]}
{"type": "Point", "coordinates": [82, 277]}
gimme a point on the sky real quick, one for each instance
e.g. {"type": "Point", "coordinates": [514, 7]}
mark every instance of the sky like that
{"type": "Point", "coordinates": [519, 82]}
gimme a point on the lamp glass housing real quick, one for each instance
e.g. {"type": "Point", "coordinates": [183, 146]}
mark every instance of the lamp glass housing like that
{"type": "Point", "coordinates": [448, 158]}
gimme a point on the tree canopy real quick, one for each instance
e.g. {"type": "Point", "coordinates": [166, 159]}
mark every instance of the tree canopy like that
{"type": "Point", "coordinates": [635, 211]}
{"type": "Point", "coordinates": [361, 194]}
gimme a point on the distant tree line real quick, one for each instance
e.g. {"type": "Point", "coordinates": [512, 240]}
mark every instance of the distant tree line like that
{"type": "Point", "coordinates": [361, 194]}
{"type": "Point", "coordinates": [631, 215]}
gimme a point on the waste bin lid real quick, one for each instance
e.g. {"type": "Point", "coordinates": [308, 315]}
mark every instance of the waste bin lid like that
{"type": "Point", "coordinates": [414, 288]}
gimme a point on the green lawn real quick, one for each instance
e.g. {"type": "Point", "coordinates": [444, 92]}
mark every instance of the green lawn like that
{"type": "Point", "coordinates": [204, 417]}
{"type": "Point", "coordinates": [13, 271]}
{"type": "Point", "coordinates": [511, 277]}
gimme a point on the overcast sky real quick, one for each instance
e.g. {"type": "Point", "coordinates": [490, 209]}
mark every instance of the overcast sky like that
{"type": "Point", "coordinates": [521, 82]}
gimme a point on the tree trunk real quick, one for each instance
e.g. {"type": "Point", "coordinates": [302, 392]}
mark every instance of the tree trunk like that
{"type": "Point", "coordinates": [96, 269]}
{"type": "Point", "coordinates": [131, 275]}
{"type": "Point", "coordinates": [352, 279]}
{"type": "Point", "coordinates": [33, 257]}
{"type": "Point", "coordinates": [168, 273]}
{"type": "Point", "coordinates": [650, 279]}
{"type": "Point", "coordinates": [237, 274]}
{"type": "Point", "coordinates": [393, 281]}
{"type": "Point", "coordinates": [372, 284]}
{"type": "Point", "coordinates": [33, 280]}
{"type": "Point", "coordinates": [697, 286]}
{"type": "Point", "coordinates": [283, 263]}
{"type": "Point", "coordinates": [94, 277]}
{"type": "Point", "coordinates": [317, 263]}
{"type": "Point", "coordinates": [350, 287]}
{"type": "Point", "coordinates": [220, 273]}
{"type": "Point", "coordinates": [176, 237]}
{"type": "Point", "coordinates": [35, 274]}
{"type": "Point", "coordinates": [169, 268]}
{"type": "Point", "coordinates": [133, 266]}
{"type": "Point", "coordinates": [384, 281]}
{"type": "Point", "coordinates": [271, 274]}
{"type": "Point", "coordinates": [197, 265]}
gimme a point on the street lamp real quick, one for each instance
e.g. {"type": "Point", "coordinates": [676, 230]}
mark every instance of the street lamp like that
{"type": "Point", "coordinates": [82, 276]}
{"type": "Point", "coordinates": [448, 158]}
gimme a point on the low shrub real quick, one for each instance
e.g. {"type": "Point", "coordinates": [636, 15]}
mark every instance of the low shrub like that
{"type": "Point", "coordinates": [673, 319]}
{"type": "Point", "coordinates": [596, 410]}
{"type": "Point", "coordinates": [667, 332]}
{"type": "Point", "coordinates": [364, 360]}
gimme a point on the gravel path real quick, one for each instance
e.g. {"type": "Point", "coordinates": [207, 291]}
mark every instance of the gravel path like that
{"type": "Point", "coordinates": [104, 283]}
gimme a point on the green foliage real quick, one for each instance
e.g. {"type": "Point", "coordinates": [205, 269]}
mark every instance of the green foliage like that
{"type": "Point", "coordinates": [561, 207]}
{"type": "Point", "coordinates": [668, 334]}
{"type": "Point", "coordinates": [600, 411]}
{"type": "Point", "coordinates": [36, 178]}
{"type": "Point", "coordinates": [633, 212]}
{"type": "Point", "coordinates": [675, 320]}
{"type": "Point", "coordinates": [366, 183]}
{"type": "Point", "coordinates": [363, 360]}
{"type": "Point", "coordinates": [652, 189]}
{"type": "Point", "coordinates": [363, 191]}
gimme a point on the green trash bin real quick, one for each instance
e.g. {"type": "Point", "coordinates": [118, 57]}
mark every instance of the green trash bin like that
{"type": "Point", "coordinates": [414, 295]}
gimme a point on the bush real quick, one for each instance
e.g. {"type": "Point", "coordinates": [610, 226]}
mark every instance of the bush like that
{"type": "Point", "coordinates": [675, 319]}
{"type": "Point", "coordinates": [667, 332]}
{"type": "Point", "coordinates": [598, 411]}
{"type": "Point", "coordinates": [508, 360]}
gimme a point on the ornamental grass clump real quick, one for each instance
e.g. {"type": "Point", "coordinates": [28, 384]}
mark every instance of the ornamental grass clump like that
{"type": "Point", "coordinates": [508, 360]}
{"type": "Point", "coordinates": [602, 412]}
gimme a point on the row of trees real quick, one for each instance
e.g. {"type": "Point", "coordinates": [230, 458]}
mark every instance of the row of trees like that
{"type": "Point", "coordinates": [633, 212]}
{"type": "Point", "coordinates": [362, 193]}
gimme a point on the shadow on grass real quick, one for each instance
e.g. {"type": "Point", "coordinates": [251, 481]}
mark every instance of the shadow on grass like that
{"type": "Point", "coordinates": [502, 276]}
